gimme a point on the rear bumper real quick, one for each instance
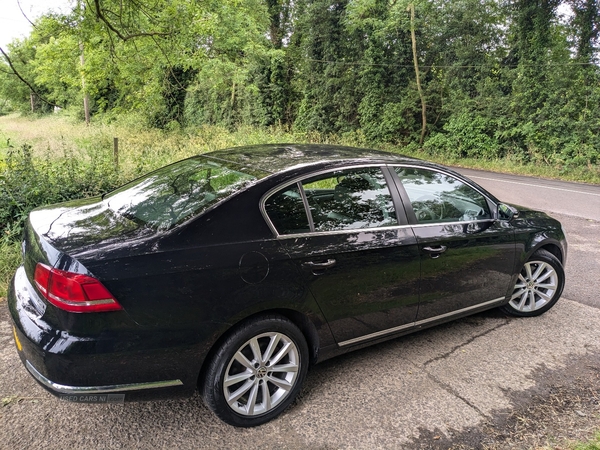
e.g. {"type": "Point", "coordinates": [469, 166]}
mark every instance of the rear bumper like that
{"type": "Point", "coordinates": [114, 362]}
{"type": "Point", "coordinates": [115, 388]}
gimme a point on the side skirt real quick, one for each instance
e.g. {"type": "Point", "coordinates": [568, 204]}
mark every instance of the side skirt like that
{"type": "Point", "coordinates": [425, 323]}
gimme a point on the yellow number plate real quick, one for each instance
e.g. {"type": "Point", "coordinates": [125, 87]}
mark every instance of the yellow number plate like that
{"type": "Point", "coordinates": [19, 346]}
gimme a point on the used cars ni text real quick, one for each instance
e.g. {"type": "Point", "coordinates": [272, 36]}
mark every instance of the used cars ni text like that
{"type": "Point", "coordinates": [234, 271]}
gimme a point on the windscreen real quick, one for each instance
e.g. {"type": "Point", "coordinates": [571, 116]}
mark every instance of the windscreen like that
{"type": "Point", "coordinates": [175, 193]}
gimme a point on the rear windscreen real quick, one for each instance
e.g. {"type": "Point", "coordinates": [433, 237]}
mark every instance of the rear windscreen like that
{"type": "Point", "coordinates": [169, 196]}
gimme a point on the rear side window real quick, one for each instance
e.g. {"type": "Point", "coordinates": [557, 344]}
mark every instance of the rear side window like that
{"type": "Point", "coordinates": [339, 200]}
{"type": "Point", "coordinates": [175, 193]}
{"type": "Point", "coordinates": [286, 211]}
{"type": "Point", "coordinates": [350, 199]}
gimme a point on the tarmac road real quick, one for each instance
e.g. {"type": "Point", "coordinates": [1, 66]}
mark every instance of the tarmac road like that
{"type": "Point", "coordinates": [432, 389]}
{"type": "Point", "coordinates": [576, 205]}
{"type": "Point", "coordinates": [559, 197]}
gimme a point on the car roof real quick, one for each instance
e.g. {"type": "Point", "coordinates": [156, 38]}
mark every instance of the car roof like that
{"type": "Point", "coordinates": [284, 159]}
{"type": "Point", "coordinates": [275, 158]}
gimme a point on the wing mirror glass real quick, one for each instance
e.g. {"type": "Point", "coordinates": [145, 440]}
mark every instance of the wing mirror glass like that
{"type": "Point", "coordinates": [507, 212]}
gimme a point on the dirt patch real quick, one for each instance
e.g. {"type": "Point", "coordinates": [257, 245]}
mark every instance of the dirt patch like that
{"type": "Point", "coordinates": [563, 406]}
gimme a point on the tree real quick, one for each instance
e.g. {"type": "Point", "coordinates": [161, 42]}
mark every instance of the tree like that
{"type": "Point", "coordinates": [586, 26]}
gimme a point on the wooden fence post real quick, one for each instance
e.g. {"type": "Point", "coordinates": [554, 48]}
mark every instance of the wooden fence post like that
{"type": "Point", "coordinates": [116, 152]}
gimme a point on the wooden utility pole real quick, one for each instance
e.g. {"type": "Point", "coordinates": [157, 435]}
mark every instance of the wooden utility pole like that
{"type": "Point", "coordinates": [411, 8]}
{"type": "Point", "coordinates": [86, 97]}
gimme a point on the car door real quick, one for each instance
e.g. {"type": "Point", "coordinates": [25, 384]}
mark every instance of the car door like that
{"type": "Point", "coordinates": [352, 248]}
{"type": "Point", "coordinates": [467, 257]}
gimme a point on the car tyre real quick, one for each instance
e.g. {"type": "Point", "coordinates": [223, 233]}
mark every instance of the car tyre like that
{"type": "Point", "coordinates": [256, 372]}
{"type": "Point", "coordinates": [539, 286]}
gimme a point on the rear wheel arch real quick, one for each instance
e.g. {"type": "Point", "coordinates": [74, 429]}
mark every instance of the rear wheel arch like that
{"type": "Point", "coordinates": [256, 371]}
{"type": "Point", "coordinates": [306, 326]}
{"type": "Point", "coordinates": [297, 318]}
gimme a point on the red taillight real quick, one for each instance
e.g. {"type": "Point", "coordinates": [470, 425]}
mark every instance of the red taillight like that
{"type": "Point", "coordinates": [73, 292]}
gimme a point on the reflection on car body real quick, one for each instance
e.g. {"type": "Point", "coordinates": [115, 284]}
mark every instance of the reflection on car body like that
{"type": "Point", "coordinates": [234, 271]}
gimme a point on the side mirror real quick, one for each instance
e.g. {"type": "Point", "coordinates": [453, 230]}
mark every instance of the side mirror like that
{"type": "Point", "coordinates": [506, 212]}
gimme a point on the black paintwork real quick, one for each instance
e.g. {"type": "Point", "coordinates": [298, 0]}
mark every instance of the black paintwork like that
{"type": "Point", "coordinates": [182, 289]}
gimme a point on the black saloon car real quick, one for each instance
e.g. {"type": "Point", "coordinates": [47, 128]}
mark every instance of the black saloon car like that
{"type": "Point", "coordinates": [236, 270]}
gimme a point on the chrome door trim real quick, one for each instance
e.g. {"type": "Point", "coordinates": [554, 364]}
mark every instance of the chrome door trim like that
{"type": "Point", "coordinates": [418, 323]}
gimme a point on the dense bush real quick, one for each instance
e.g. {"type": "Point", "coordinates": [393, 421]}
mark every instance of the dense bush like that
{"type": "Point", "coordinates": [26, 184]}
{"type": "Point", "coordinates": [466, 135]}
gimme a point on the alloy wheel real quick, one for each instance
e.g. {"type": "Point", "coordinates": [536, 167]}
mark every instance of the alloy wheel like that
{"type": "Point", "coordinates": [535, 287]}
{"type": "Point", "coordinates": [261, 374]}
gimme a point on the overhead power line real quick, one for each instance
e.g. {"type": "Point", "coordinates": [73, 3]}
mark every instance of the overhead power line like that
{"type": "Point", "coordinates": [451, 66]}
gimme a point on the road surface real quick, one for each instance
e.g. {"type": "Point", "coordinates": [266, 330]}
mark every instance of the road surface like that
{"type": "Point", "coordinates": [487, 381]}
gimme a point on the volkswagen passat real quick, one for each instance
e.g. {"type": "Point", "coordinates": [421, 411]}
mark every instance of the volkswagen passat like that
{"type": "Point", "coordinates": [235, 271]}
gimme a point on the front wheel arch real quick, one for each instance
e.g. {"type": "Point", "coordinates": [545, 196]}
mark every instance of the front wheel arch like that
{"type": "Point", "coordinates": [553, 242]}
{"type": "Point", "coordinates": [554, 249]}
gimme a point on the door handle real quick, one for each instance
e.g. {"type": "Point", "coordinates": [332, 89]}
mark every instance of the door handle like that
{"type": "Point", "coordinates": [435, 252]}
{"type": "Point", "coordinates": [319, 265]}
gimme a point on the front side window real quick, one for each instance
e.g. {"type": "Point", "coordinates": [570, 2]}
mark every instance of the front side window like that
{"type": "Point", "coordinates": [438, 197]}
{"type": "Point", "coordinates": [350, 199]}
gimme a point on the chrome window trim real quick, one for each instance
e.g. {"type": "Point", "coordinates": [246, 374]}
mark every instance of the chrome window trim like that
{"type": "Point", "coordinates": [65, 389]}
{"type": "Point", "coordinates": [366, 230]}
{"type": "Point", "coordinates": [456, 222]}
{"type": "Point", "coordinates": [418, 323]}
{"type": "Point", "coordinates": [348, 231]}
{"type": "Point", "coordinates": [299, 179]}
{"type": "Point", "coordinates": [391, 166]}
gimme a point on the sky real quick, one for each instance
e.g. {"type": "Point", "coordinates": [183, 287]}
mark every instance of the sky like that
{"type": "Point", "coordinates": [14, 25]}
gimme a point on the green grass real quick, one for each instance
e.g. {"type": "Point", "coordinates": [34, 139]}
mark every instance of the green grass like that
{"type": "Point", "coordinates": [142, 149]}
{"type": "Point", "coordinates": [592, 444]}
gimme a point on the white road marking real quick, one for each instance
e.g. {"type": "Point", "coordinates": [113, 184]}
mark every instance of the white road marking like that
{"type": "Point", "coordinates": [535, 185]}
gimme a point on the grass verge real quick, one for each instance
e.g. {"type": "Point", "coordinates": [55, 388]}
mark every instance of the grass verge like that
{"type": "Point", "coordinates": [142, 149]}
{"type": "Point", "coordinates": [593, 444]}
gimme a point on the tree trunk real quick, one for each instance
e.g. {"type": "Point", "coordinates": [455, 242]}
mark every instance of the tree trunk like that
{"type": "Point", "coordinates": [411, 8]}
{"type": "Point", "coordinates": [86, 97]}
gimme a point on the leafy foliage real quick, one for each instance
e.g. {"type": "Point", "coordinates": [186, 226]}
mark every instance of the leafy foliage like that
{"type": "Point", "coordinates": [25, 184]}
{"type": "Point", "coordinates": [508, 79]}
